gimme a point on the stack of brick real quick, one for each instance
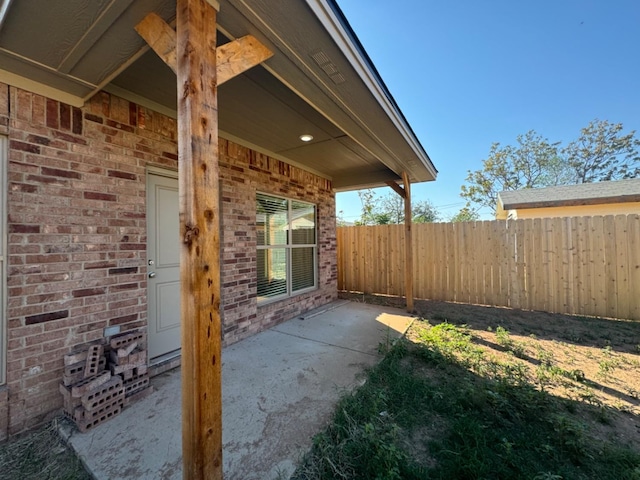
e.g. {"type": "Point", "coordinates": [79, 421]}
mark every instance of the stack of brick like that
{"type": "Point", "coordinates": [128, 359]}
{"type": "Point", "coordinates": [93, 393]}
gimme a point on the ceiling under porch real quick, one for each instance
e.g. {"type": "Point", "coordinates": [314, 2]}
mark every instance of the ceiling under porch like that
{"type": "Point", "coordinates": [318, 82]}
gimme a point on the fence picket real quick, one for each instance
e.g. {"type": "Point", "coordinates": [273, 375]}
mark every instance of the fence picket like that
{"type": "Point", "coordinates": [585, 265]}
{"type": "Point", "coordinates": [633, 231]}
{"type": "Point", "coordinates": [622, 266]}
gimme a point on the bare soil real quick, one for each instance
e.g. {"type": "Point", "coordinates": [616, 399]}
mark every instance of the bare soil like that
{"type": "Point", "coordinates": [593, 361]}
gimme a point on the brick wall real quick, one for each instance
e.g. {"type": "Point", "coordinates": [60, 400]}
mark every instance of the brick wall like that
{"type": "Point", "coordinates": [77, 234]}
{"type": "Point", "coordinates": [243, 173]}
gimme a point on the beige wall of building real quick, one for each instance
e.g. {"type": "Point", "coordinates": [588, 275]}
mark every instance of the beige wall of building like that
{"type": "Point", "coordinates": [570, 211]}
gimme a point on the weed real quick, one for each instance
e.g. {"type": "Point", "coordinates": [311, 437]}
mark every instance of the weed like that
{"type": "Point", "coordinates": [608, 364]}
{"type": "Point", "coordinates": [385, 345]}
{"type": "Point", "coordinates": [570, 434]}
{"type": "Point", "coordinates": [547, 476]}
{"type": "Point", "coordinates": [504, 339]}
{"type": "Point", "coordinates": [586, 394]}
{"type": "Point", "coordinates": [576, 374]}
{"type": "Point", "coordinates": [496, 424]}
{"type": "Point", "coordinates": [545, 357]}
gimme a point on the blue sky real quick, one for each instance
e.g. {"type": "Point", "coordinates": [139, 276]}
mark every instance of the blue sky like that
{"type": "Point", "coordinates": [467, 73]}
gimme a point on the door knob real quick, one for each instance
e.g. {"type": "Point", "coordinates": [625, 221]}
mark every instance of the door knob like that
{"type": "Point", "coordinates": [152, 274]}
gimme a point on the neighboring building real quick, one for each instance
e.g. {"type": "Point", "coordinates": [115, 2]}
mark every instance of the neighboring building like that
{"type": "Point", "coordinates": [88, 160]}
{"type": "Point", "coordinates": [601, 198]}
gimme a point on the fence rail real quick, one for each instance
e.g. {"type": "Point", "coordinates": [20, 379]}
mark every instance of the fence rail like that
{"type": "Point", "coordinates": [578, 265]}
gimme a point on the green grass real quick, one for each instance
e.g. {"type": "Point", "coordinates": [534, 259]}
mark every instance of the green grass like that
{"type": "Point", "coordinates": [40, 455]}
{"type": "Point", "coordinates": [442, 407]}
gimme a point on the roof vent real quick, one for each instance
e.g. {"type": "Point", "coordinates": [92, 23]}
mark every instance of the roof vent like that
{"type": "Point", "coordinates": [338, 78]}
{"type": "Point", "coordinates": [330, 68]}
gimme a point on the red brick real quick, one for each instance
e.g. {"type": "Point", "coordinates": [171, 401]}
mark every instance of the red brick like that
{"type": "Point", "coordinates": [88, 384]}
{"type": "Point", "coordinates": [92, 364]}
{"type": "Point", "coordinates": [77, 121]}
{"type": "Point", "coordinates": [98, 417]}
{"type": "Point", "coordinates": [104, 394]}
{"type": "Point", "coordinates": [86, 292]}
{"type": "Point", "coordinates": [46, 317]}
{"type": "Point", "coordinates": [100, 196]}
{"type": "Point", "coordinates": [52, 114]}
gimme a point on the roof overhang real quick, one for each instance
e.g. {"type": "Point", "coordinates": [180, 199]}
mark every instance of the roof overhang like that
{"type": "Point", "coordinates": [598, 193]}
{"type": "Point", "coordinates": [319, 81]}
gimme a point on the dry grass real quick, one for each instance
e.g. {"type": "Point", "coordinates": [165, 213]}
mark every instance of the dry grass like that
{"type": "Point", "coordinates": [40, 455]}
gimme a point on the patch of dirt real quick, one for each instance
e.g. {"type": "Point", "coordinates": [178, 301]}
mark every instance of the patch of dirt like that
{"type": "Point", "coordinates": [593, 361]}
{"type": "Point", "coordinates": [417, 441]}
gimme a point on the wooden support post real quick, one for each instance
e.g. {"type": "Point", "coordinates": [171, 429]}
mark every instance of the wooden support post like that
{"type": "Point", "coordinates": [200, 67]}
{"type": "Point", "coordinates": [408, 244]}
{"type": "Point", "coordinates": [198, 176]}
{"type": "Point", "coordinates": [405, 193]}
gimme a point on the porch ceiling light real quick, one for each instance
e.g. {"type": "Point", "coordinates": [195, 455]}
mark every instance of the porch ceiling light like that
{"type": "Point", "coordinates": [306, 137]}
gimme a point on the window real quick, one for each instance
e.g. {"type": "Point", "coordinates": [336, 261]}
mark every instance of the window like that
{"type": "Point", "coordinates": [286, 242]}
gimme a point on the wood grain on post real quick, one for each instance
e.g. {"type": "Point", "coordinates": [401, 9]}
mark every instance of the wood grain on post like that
{"type": "Point", "coordinates": [200, 240]}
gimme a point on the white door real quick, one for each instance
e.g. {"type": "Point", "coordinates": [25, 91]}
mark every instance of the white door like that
{"type": "Point", "coordinates": [163, 265]}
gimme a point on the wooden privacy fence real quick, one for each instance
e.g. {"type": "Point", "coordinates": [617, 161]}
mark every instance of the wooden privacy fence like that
{"type": "Point", "coordinates": [577, 265]}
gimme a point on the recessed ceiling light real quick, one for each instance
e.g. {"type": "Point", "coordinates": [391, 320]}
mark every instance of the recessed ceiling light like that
{"type": "Point", "coordinates": [306, 137]}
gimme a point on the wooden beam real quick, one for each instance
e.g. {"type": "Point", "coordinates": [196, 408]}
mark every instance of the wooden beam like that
{"type": "Point", "coordinates": [408, 244]}
{"type": "Point", "coordinates": [232, 58]}
{"type": "Point", "coordinates": [397, 188]}
{"type": "Point", "coordinates": [198, 178]}
{"type": "Point", "coordinates": [160, 37]}
{"type": "Point", "coordinates": [240, 55]}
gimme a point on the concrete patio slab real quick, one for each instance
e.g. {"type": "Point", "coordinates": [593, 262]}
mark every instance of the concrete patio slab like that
{"type": "Point", "coordinates": [279, 389]}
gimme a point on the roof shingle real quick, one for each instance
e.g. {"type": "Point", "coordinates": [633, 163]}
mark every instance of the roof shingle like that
{"type": "Point", "coordinates": [567, 195]}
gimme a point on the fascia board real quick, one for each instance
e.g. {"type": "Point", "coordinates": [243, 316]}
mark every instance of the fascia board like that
{"type": "Point", "coordinates": [334, 26]}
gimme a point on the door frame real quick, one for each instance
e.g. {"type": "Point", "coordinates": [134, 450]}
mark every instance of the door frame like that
{"type": "Point", "coordinates": [168, 173]}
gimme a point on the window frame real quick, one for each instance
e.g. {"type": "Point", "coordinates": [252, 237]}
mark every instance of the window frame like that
{"type": "Point", "coordinates": [288, 247]}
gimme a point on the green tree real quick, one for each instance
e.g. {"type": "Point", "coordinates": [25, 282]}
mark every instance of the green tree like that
{"type": "Point", "coordinates": [382, 218]}
{"type": "Point", "coordinates": [424, 212]}
{"type": "Point", "coordinates": [389, 209]}
{"type": "Point", "coordinates": [367, 198]}
{"type": "Point", "coordinates": [466, 214]}
{"type": "Point", "coordinates": [526, 165]}
{"type": "Point", "coordinates": [393, 205]}
{"type": "Point", "coordinates": [603, 152]}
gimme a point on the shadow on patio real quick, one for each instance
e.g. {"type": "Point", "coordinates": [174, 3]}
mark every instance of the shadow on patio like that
{"type": "Point", "coordinates": [279, 389]}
